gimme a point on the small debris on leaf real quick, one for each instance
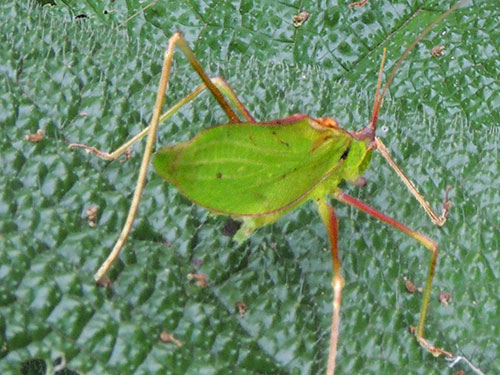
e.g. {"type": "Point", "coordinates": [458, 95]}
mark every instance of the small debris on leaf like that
{"type": "Point", "coordinates": [460, 372]}
{"type": "Point", "coordinates": [35, 137]}
{"type": "Point", "coordinates": [410, 286]}
{"type": "Point", "coordinates": [437, 51]}
{"type": "Point", "coordinates": [241, 307]}
{"type": "Point", "coordinates": [444, 298]}
{"type": "Point", "coordinates": [360, 181]}
{"type": "Point", "coordinates": [167, 337]}
{"type": "Point", "coordinates": [299, 19]}
{"type": "Point", "coordinates": [201, 279]}
{"type": "Point", "coordinates": [92, 215]}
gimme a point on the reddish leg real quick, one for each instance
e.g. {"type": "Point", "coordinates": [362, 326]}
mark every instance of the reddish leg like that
{"type": "Point", "coordinates": [330, 220]}
{"type": "Point", "coordinates": [358, 4]}
{"type": "Point", "coordinates": [424, 240]}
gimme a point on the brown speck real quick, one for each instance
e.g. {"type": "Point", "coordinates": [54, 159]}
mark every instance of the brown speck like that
{"type": "Point", "coordinates": [219, 175]}
{"type": "Point", "coordinates": [35, 137]}
{"type": "Point", "coordinates": [241, 307]}
{"type": "Point", "coordinates": [437, 51]}
{"type": "Point", "coordinates": [410, 287]}
{"type": "Point", "coordinates": [460, 372]}
{"type": "Point", "coordinates": [104, 282]}
{"type": "Point", "coordinates": [360, 181]}
{"type": "Point", "coordinates": [92, 215]}
{"type": "Point", "coordinates": [286, 144]}
{"type": "Point", "coordinates": [299, 19]}
{"type": "Point", "coordinates": [201, 279]}
{"type": "Point", "coordinates": [274, 132]}
{"type": "Point", "coordinates": [358, 4]}
{"type": "Point", "coordinates": [444, 298]}
{"type": "Point", "coordinates": [167, 337]}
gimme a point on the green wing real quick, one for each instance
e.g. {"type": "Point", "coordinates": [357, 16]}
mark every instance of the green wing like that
{"type": "Point", "coordinates": [254, 169]}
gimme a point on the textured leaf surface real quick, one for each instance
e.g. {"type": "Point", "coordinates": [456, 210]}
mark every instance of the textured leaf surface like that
{"type": "Point", "coordinates": [85, 79]}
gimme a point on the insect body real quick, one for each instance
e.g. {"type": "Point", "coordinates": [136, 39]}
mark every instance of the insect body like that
{"type": "Point", "coordinates": [256, 172]}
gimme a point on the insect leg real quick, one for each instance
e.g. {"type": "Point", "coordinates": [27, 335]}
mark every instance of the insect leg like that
{"type": "Point", "coordinates": [120, 150]}
{"type": "Point", "coordinates": [438, 220]}
{"type": "Point", "coordinates": [425, 241]}
{"type": "Point", "coordinates": [219, 82]}
{"type": "Point", "coordinates": [176, 40]}
{"type": "Point", "coordinates": [160, 96]}
{"type": "Point", "coordinates": [229, 93]}
{"type": "Point", "coordinates": [327, 214]}
{"type": "Point", "coordinates": [358, 4]}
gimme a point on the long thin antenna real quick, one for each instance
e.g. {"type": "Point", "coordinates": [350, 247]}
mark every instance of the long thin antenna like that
{"type": "Point", "coordinates": [137, 13]}
{"type": "Point", "coordinates": [377, 102]}
{"type": "Point", "coordinates": [403, 57]}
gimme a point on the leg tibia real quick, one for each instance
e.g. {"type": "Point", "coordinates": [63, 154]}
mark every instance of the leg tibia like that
{"type": "Point", "coordinates": [229, 93]}
{"type": "Point", "coordinates": [327, 214]}
{"type": "Point", "coordinates": [176, 40]}
{"type": "Point", "coordinates": [218, 82]}
{"type": "Point", "coordinates": [425, 241]}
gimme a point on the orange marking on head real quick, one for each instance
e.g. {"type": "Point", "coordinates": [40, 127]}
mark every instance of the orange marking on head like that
{"type": "Point", "coordinates": [327, 122]}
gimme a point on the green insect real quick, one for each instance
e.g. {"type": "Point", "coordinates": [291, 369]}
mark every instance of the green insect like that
{"type": "Point", "coordinates": [256, 172]}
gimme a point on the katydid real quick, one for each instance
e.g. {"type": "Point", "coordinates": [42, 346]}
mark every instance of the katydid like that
{"type": "Point", "coordinates": [256, 172]}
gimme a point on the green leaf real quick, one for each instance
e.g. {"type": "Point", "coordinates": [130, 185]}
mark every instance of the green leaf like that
{"type": "Point", "coordinates": [90, 80]}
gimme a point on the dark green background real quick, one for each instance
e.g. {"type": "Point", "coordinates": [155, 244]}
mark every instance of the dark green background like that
{"type": "Point", "coordinates": [86, 80]}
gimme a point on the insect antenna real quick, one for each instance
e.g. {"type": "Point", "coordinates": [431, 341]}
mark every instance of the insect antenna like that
{"type": "Point", "coordinates": [378, 100]}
